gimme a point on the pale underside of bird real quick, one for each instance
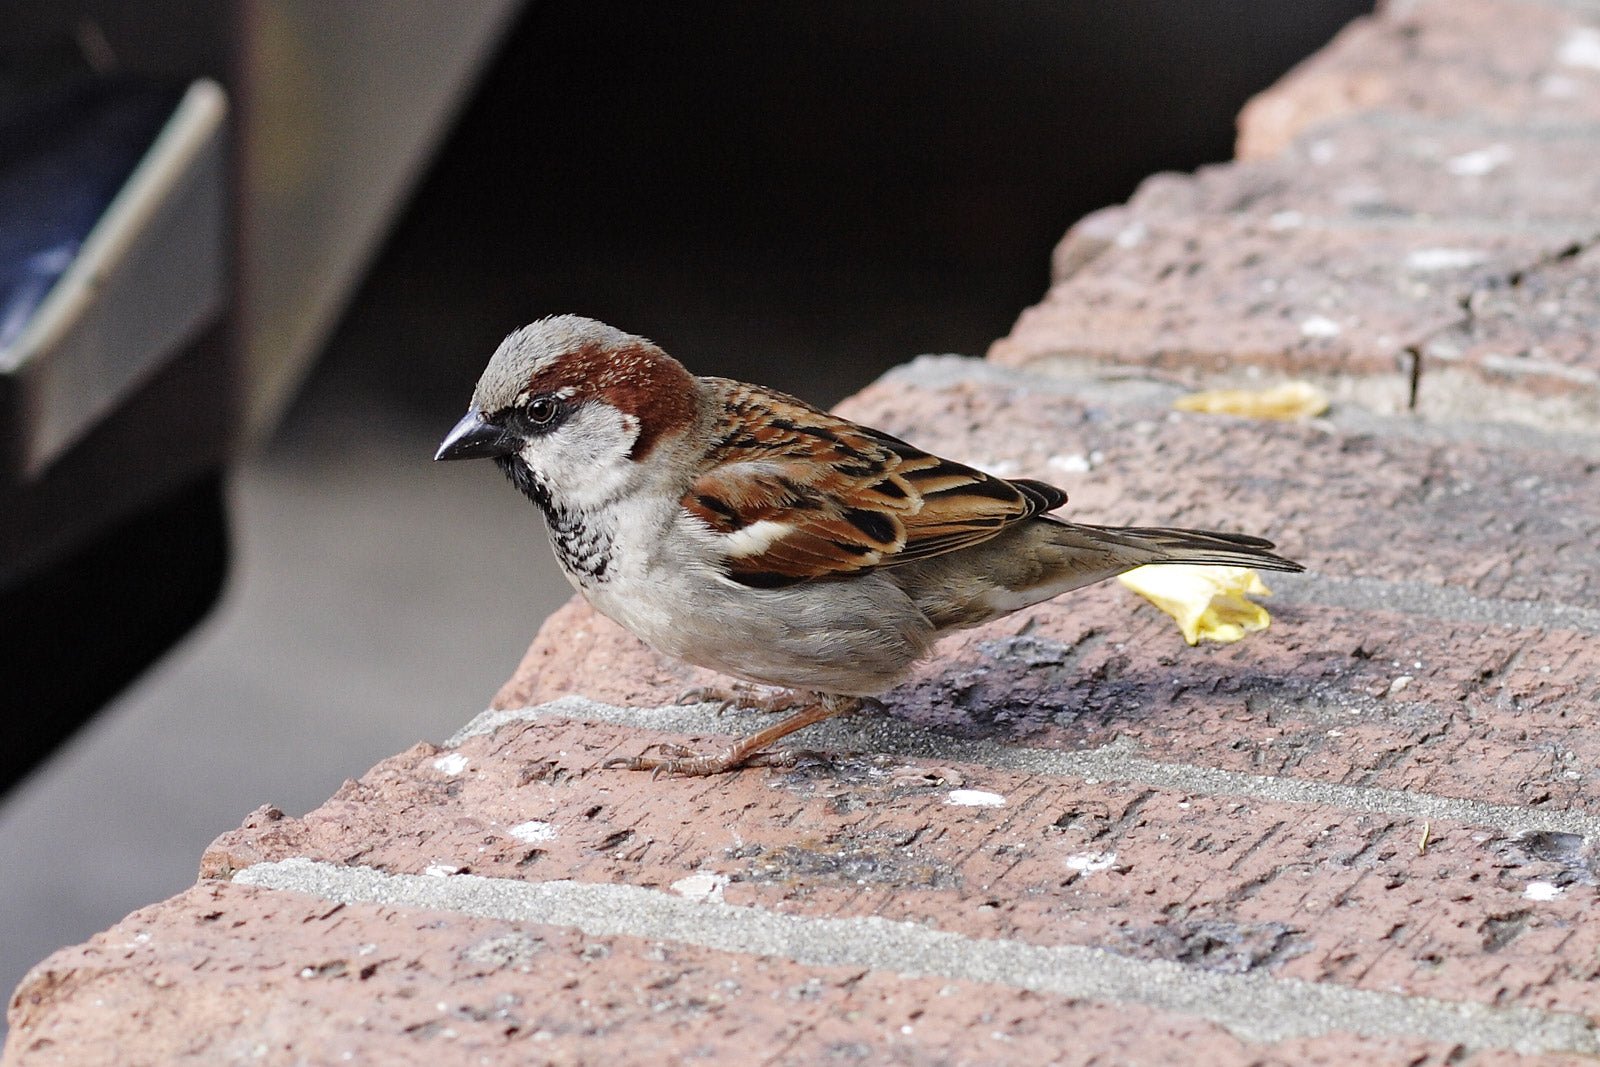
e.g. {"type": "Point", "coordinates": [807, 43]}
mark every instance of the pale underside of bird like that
{"type": "Point", "coordinates": [743, 530]}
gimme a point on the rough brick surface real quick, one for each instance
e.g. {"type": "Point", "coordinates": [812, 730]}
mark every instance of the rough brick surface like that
{"type": "Point", "coordinates": [365, 983]}
{"type": "Point", "coordinates": [1062, 862]}
{"type": "Point", "coordinates": [1217, 299]}
{"type": "Point", "coordinates": [1472, 60]}
{"type": "Point", "coordinates": [1369, 834]}
{"type": "Point", "coordinates": [1412, 226]}
{"type": "Point", "coordinates": [1536, 338]}
{"type": "Point", "coordinates": [1248, 272]}
{"type": "Point", "coordinates": [1398, 172]}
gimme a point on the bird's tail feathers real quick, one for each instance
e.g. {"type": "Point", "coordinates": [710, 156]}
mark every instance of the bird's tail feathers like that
{"type": "Point", "coordinates": [1138, 546]}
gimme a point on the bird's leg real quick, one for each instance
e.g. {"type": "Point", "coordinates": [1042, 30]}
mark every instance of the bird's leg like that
{"type": "Point", "coordinates": [742, 696]}
{"type": "Point", "coordinates": [744, 752]}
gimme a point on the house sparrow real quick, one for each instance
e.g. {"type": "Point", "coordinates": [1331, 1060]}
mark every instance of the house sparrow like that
{"type": "Point", "coordinates": [746, 531]}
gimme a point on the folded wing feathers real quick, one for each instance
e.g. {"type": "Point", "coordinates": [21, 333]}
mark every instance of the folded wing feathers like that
{"type": "Point", "coordinates": [802, 494]}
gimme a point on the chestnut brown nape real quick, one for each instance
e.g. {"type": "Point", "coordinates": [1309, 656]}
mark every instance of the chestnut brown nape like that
{"type": "Point", "coordinates": [637, 379]}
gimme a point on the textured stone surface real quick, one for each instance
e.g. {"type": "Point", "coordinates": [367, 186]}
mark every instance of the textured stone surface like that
{"type": "Point", "coordinates": [1536, 337]}
{"type": "Point", "coordinates": [231, 974]}
{"type": "Point", "coordinates": [1398, 261]}
{"type": "Point", "coordinates": [1219, 299]}
{"type": "Point", "coordinates": [1301, 891]}
{"type": "Point", "coordinates": [1411, 225]}
{"type": "Point", "coordinates": [1467, 60]}
{"type": "Point", "coordinates": [1396, 171]}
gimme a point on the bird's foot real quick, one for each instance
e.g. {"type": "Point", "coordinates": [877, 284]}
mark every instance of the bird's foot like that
{"type": "Point", "coordinates": [741, 696]}
{"type": "Point", "coordinates": [676, 759]}
{"type": "Point", "coordinates": [748, 751]}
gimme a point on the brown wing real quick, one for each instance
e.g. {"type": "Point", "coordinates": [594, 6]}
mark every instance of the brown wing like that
{"type": "Point", "coordinates": [796, 494]}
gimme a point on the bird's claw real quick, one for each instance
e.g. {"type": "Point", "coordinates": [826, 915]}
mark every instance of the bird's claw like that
{"type": "Point", "coordinates": [740, 697]}
{"type": "Point", "coordinates": [678, 760]}
{"type": "Point", "coordinates": [721, 699]}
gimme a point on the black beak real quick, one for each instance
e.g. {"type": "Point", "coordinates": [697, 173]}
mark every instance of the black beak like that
{"type": "Point", "coordinates": [474, 437]}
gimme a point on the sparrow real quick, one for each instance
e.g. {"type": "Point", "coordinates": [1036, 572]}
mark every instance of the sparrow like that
{"type": "Point", "coordinates": [743, 530]}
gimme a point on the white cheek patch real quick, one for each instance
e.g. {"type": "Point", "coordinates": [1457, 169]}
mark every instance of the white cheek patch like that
{"type": "Point", "coordinates": [585, 459]}
{"type": "Point", "coordinates": [756, 538]}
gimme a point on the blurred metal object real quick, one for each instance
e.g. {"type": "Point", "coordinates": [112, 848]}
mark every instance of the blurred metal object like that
{"type": "Point", "coordinates": [195, 288]}
{"type": "Point", "coordinates": [150, 274]}
{"type": "Point", "coordinates": [171, 262]}
{"type": "Point", "coordinates": [341, 108]}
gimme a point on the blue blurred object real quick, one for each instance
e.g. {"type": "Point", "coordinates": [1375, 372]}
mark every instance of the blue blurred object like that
{"type": "Point", "coordinates": [63, 157]}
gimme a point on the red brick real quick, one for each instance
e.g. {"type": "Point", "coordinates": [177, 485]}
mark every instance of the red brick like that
{"type": "Point", "coordinates": [1297, 890]}
{"type": "Point", "coordinates": [1088, 237]}
{"type": "Point", "coordinates": [1214, 299]}
{"type": "Point", "coordinates": [225, 973]}
{"type": "Point", "coordinates": [1494, 60]}
{"type": "Point", "coordinates": [1389, 171]}
{"type": "Point", "coordinates": [1531, 342]}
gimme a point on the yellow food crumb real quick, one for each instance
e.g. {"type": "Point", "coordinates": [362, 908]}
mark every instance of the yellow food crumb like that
{"type": "Point", "coordinates": [1207, 602]}
{"type": "Point", "coordinates": [1287, 402]}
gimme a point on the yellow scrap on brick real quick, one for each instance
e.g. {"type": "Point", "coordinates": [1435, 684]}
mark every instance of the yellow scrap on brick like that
{"type": "Point", "coordinates": [1208, 603]}
{"type": "Point", "coordinates": [1213, 603]}
{"type": "Point", "coordinates": [1283, 403]}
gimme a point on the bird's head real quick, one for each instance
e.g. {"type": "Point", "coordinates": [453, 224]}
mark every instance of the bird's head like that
{"type": "Point", "coordinates": [574, 407]}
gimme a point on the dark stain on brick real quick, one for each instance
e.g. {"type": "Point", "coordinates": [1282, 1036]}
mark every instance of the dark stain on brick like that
{"type": "Point", "coordinates": [1553, 846]}
{"type": "Point", "coordinates": [1014, 688]}
{"type": "Point", "coordinates": [614, 840]}
{"type": "Point", "coordinates": [852, 781]}
{"type": "Point", "coordinates": [1562, 859]}
{"type": "Point", "coordinates": [871, 858]}
{"type": "Point", "coordinates": [1214, 944]}
{"type": "Point", "coordinates": [533, 771]}
{"type": "Point", "coordinates": [1500, 930]}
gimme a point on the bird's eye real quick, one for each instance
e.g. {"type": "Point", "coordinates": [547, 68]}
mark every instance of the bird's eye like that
{"type": "Point", "coordinates": [541, 409]}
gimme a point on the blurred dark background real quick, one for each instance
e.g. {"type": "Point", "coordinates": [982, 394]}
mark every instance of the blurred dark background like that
{"type": "Point", "coordinates": [803, 195]}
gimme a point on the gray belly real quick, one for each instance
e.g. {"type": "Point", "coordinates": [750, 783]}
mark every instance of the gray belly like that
{"type": "Point", "coordinates": [856, 637]}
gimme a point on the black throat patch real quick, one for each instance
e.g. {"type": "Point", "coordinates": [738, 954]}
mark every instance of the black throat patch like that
{"type": "Point", "coordinates": [582, 544]}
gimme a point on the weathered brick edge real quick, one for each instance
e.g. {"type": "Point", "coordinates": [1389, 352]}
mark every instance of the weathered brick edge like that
{"type": "Point", "coordinates": [1412, 223]}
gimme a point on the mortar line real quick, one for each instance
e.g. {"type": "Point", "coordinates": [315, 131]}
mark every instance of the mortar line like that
{"type": "Point", "coordinates": [1442, 602]}
{"type": "Point", "coordinates": [1115, 762]}
{"type": "Point", "coordinates": [1254, 1007]}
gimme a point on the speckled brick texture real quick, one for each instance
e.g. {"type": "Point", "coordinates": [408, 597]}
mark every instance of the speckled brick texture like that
{"type": "Point", "coordinates": [1400, 171]}
{"type": "Point", "coordinates": [1219, 299]}
{"type": "Point", "coordinates": [1535, 336]}
{"type": "Point", "coordinates": [1370, 834]}
{"type": "Point", "coordinates": [1412, 226]}
{"type": "Point", "coordinates": [1056, 861]}
{"type": "Point", "coordinates": [1474, 61]}
{"type": "Point", "coordinates": [334, 983]}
